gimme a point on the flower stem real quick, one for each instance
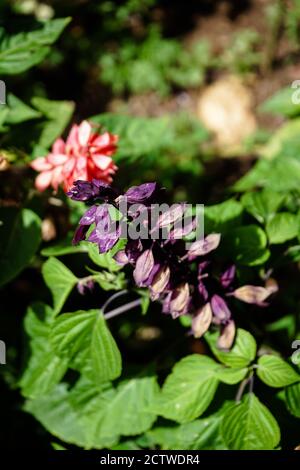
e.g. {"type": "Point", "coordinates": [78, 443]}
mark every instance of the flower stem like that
{"type": "Point", "coordinates": [122, 309]}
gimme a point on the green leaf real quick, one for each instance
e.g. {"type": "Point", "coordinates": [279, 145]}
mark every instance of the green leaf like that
{"type": "Point", "coordinates": [64, 247]}
{"type": "Point", "coordinates": [138, 136]}
{"type": "Point", "coordinates": [292, 398]}
{"type": "Point", "coordinates": [247, 245]}
{"type": "Point", "coordinates": [93, 417]}
{"type": "Point", "coordinates": [222, 216]}
{"type": "Point", "coordinates": [19, 111]}
{"type": "Point", "coordinates": [249, 425]}
{"type": "Point", "coordinates": [60, 280]}
{"type": "Point", "coordinates": [201, 434]}
{"type": "Point", "coordinates": [106, 357]}
{"type": "Point", "coordinates": [282, 227]}
{"type": "Point", "coordinates": [285, 136]}
{"type": "Point", "coordinates": [58, 115]}
{"type": "Point", "coordinates": [230, 375]}
{"type": "Point", "coordinates": [86, 335]}
{"type": "Point", "coordinates": [275, 372]}
{"type": "Point", "coordinates": [20, 236]}
{"type": "Point", "coordinates": [188, 390]}
{"type": "Point", "coordinates": [104, 260]}
{"type": "Point", "coordinates": [24, 50]}
{"type": "Point", "coordinates": [263, 204]}
{"type": "Point", "coordinates": [44, 368]}
{"type": "Point", "coordinates": [281, 103]}
{"type": "Point", "coordinates": [241, 354]}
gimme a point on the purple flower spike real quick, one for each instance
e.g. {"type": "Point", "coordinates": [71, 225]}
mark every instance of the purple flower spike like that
{"type": "Point", "coordinates": [141, 193]}
{"type": "Point", "coordinates": [205, 246]}
{"type": "Point", "coordinates": [220, 309]}
{"type": "Point", "coordinates": [90, 191]}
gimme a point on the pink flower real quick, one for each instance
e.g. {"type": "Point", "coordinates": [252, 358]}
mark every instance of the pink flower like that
{"type": "Point", "coordinates": [85, 155]}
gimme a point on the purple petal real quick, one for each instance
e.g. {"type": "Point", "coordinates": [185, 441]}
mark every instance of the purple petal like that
{"type": "Point", "coordinates": [159, 282]}
{"type": "Point", "coordinates": [182, 231]}
{"type": "Point", "coordinates": [220, 308]}
{"type": "Point", "coordinates": [204, 246]}
{"type": "Point", "coordinates": [89, 216]}
{"type": "Point", "coordinates": [180, 300]}
{"type": "Point", "coordinates": [252, 294]}
{"type": "Point", "coordinates": [133, 250]}
{"type": "Point", "coordinates": [140, 193]}
{"type": "Point", "coordinates": [121, 258]}
{"type": "Point", "coordinates": [228, 277]}
{"type": "Point", "coordinates": [202, 320]}
{"type": "Point", "coordinates": [144, 265]}
{"type": "Point", "coordinates": [172, 215]}
{"type": "Point", "coordinates": [80, 234]}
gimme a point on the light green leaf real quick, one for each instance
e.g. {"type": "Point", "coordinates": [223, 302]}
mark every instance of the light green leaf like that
{"type": "Point", "coordinates": [106, 357]}
{"type": "Point", "coordinates": [24, 50]}
{"type": "Point", "coordinates": [188, 390]}
{"type": "Point", "coordinates": [286, 135]}
{"type": "Point", "coordinates": [104, 260]}
{"type": "Point", "coordinates": [240, 355]}
{"type": "Point", "coordinates": [60, 280]}
{"type": "Point", "coordinates": [83, 335]}
{"type": "Point", "coordinates": [263, 204]}
{"type": "Point", "coordinates": [275, 372]}
{"type": "Point", "coordinates": [282, 227]}
{"type": "Point", "coordinates": [44, 368]}
{"type": "Point", "coordinates": [281, 103]}
{"type": "Point", "coordinates": [249, 425]}
{"type": "Point", "coordinates": [20, 236]}
{"type": "Point", "coordinates": [292, 398]}
{"type": "Point", "coordinates": [18, 111]}
{"type": "Point", "coordinates": [230, 375]}
{"type": "Point", "coordinates": [58, 115]}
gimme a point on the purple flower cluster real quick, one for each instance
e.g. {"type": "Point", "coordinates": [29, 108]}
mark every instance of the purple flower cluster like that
{"type": "Point", "coordinates": [181, 278]}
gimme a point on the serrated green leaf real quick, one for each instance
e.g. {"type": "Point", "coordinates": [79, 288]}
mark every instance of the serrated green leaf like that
{"type": "Point", "coordinates": [223, 216]}
{"type": "Point", "coordinates": [275, 372]}
{"type": "Point", "coordinates": [282, 227]}
{"type": "Point", "coordinates": [105, 355]}
{"type": "Point", "coordinates": [60, 280]}
{"type": "Point", "coordinates": [240, 355]}
{"type": "Point", "coordinates": [44, 368]}
{"type": "Point", "coordinates": [24, 50]}
{"type": "Point", "coordinates": [249, 425]}
{"type": "Point", "coordinates": [188, 390]}
{"type": "Point", "coordinates": [20, 236]}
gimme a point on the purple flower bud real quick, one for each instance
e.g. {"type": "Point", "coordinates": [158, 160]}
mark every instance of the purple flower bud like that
{"type": "Point", "coordinates": [143, 268]}
{"type": "Point", "coordinates": [85, 285]}
{"type": "Point", "coordinates": [202, 320]}
{"type": "Point", "coordinates": [220, 309]}
{"type": "Point", "coordinates": [226, 339]}
{"type": "Point", "coordinates": [252, 294]}
{"type": "Point", "coordinates": [204, 246]}
{"type": "Point", "coordinates": [133, 250]}
{"type": "Point", "coordinates": [141, 193]}
{"type": "Point", "coordinates": [80, 234]}
{"type": "Point", "coordinates": [160, 282]}
{"type": "Point", "coordinates": [228, 277]}
{"type": "Point", "coordinates": [90, 191]}
{"type": "Point", "coordinates": [177, 302]}
{"type": "Point", "coordinates": [121, 258]}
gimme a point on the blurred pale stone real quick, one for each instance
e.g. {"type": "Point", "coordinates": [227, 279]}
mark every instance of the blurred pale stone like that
{"type": "Point", "coordinates": [225, 108]}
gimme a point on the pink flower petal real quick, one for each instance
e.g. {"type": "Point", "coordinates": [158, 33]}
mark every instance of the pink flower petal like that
{"type": "Point", "coordinates": [84, 132]}
{"type": "Point", "coordinates": [57, 158]}
{"type": "Point", "coordinates": [43, 180]}
{"type": "Point", "coordinates": [72, 139]}
{"type": "Point", "coordinates": [41, 164]}
{"type": "Point", "coordinates": [58, 146]}
{"type": "Point", "coordinates": [69, 166]}
{"type": "Point", "coordinates": [101, 161]}
{"type": "Point", "coordinates": [57, 177]}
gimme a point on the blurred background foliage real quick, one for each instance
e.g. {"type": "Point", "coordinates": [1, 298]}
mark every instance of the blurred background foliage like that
{"type": "Point", "coordinates": [200, 94]}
